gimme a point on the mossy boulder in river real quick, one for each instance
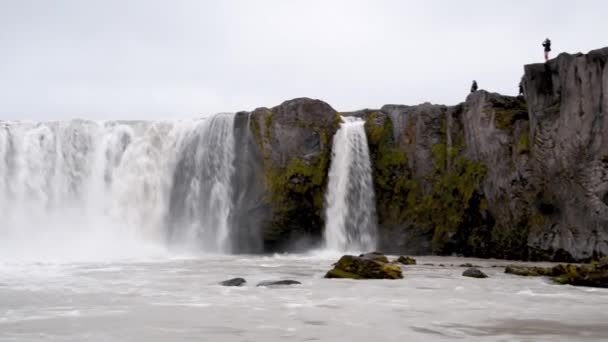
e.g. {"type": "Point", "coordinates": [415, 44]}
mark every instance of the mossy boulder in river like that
{"type": "Point", "coordinates": [532, 271]}
{"type": "Point", "coordinates": [406, 260]}
{"type": "Point", "coordinates": [583, 275]}
{"type": "Point", "coordinates": [364, 267]}
{"type": "Point", "coordinates": [474, 273]}
{"type": "Point", "coordinates": [594, 275]}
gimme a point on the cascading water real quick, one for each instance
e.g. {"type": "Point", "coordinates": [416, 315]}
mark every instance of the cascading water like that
{"type": "Point", "coordinates": [88, 190]}
{"type": "Point", "coordinates": [201, 195]}
{"type": "Point", "coordinates": [350, 208]}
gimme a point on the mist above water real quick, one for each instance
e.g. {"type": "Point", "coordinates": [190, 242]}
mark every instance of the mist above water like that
{"type": "Point", "coordinates": [107, 190]}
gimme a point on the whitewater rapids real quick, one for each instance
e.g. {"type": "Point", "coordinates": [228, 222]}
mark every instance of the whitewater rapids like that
{"type": "Point", "coordinates": [180, 300]}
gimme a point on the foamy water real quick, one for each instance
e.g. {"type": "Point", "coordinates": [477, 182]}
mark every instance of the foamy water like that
{"type": "Point", "coordinates": [179, 300]}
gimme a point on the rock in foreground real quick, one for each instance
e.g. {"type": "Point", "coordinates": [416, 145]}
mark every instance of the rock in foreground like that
{"type": "Point", "coordinates": [474, 273]}
{"type": "Point", "coordinates": [233, 282]}
{"type": "Point", "coordinates": [268, 283]}
{"type": "Point", "coordinates": [364, 267]}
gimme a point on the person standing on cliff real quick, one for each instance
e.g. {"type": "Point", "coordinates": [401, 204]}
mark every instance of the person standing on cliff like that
{"type": "Point", "coordinates": [521, 87]}
{"type": "Point", "coordinates": [474, 86]}
{"type": "Point", "coordinates": [547, 45]}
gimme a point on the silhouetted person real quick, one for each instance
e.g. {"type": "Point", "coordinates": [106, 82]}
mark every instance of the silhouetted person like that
{"type": "Point", "coordinates": [521, 88]}
{"type": "Point", "coordinates": [474, 87]}
{"type": "Point", "coordinates": [547, 45]}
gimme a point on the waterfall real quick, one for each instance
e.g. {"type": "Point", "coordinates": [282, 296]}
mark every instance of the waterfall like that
{"type": "Point", "coordinates": [201, 195]}
{"type": "Point", "coordinates": [82, 189]}
{"type": "Point", "coordinates": [350, 208]}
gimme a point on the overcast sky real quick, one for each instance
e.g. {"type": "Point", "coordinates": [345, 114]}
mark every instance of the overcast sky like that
{"type": "Point", "coordinates": [173, 59]}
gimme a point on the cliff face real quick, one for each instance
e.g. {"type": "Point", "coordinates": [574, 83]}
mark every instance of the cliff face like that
{"type": "Point", "coordinates": [293, 146]}
{"type": "Point", "coordinates": [568, 102]}
{"type": "Point", "coordinates": [495, 176]}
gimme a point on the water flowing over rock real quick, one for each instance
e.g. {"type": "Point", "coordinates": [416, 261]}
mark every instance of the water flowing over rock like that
{"type": "Point", "coordinates": [202, 194]}
{"type": "Point", "coordinates": [495, 176]}
{"type": "Point", "coordinates": [350, 222]}
{"type": "Point", "coordinates": [103, 189]}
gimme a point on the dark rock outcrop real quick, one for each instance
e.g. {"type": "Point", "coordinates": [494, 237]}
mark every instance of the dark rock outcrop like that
{"type": "Point", "coordinates": [530, 271]}
{"type": "Point", "coordinates": [593, 275]}
{"type": "Point", "coordinates": [364, 267]}
{"type": "Point", "coordinates": [568, 102]}
{"type": "Point", "coordinates": [233, 282]}
{"type": "Point", "coordinates": [474, 273]}
{"type": "Point", "coordinates": [406, 260]}
{"type": "Point", "coordinates": [583, 275]}
{"type": "Point", "coordinates": [271, 283]}
{"type": "Point", "coordinates": [495, 176]}
{"type": "Point", "coordinates": [294, 144]}
{"type": "Point", "coordinates": [499, 176]}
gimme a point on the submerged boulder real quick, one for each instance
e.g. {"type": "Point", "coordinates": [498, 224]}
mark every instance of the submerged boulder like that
{"type": "Point", "coordinates": [269, 283]}
{"type": "Point", "coordinates": [233, 282]}
{"type": "Point", "coordinates": [365, 266]}
{"type": "Point", "coordinates": [406, 260]}
{"type": "Point", "coordinates": [474, 273]}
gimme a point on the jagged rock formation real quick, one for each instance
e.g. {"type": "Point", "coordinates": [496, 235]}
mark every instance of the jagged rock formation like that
{"type": "Point", "coordinates": [568, 100]}
{"type": "Point", "coordinates": [495, 176]}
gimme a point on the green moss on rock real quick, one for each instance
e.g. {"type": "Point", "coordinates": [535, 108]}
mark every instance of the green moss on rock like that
{"type": "Point", "coordinates": [295, 180]}
{"type": "Point", "coordinates": [523, 143]}
{"type": "Point", "coordinates": [391, 175]}
{"type": "Point", "coordinates": [363, 267]}
{"type": "Point", "coordinates": [506, 112]}
{"type": "Point", "coordinates": [443, 211]}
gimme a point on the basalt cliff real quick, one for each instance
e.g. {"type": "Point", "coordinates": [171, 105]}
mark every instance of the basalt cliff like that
{"type": "Point", "coordinates": [495, 176]}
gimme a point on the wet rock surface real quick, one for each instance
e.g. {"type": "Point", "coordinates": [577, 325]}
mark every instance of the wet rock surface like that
{"type": "Point", "coordinates": [366, 266]}
{"type": "Point", "coordinates": [271, 283]}
{"type": "Point", "coordinates": [406, 260]}
{"type": "Point", "coordinates": [474, 273]}
{"type": "Point", "coordinates": [233, 282]}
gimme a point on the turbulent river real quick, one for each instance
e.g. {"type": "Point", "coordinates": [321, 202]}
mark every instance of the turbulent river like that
{"type": "Point", "coordinates": [178, 299]}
